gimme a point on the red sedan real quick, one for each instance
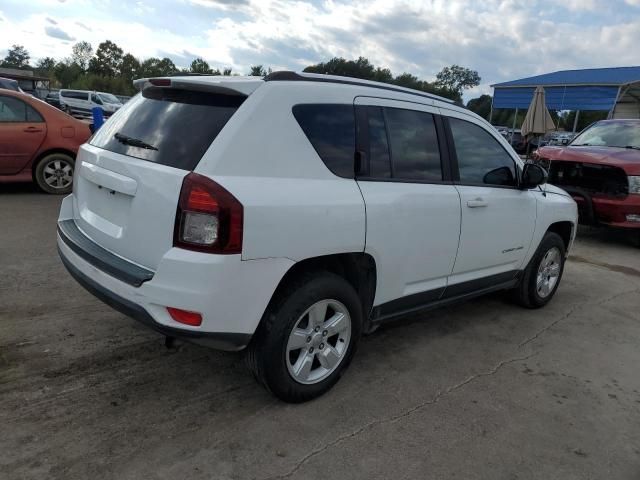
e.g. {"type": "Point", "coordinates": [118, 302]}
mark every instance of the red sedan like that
{"type": "Point", "coordinates": [600, 168]}
{"type": "Point", "coordinates": [38, 142]}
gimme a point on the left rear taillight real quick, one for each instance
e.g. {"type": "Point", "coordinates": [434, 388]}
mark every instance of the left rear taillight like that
{"type": "Point", "coordinates": [209, 218]}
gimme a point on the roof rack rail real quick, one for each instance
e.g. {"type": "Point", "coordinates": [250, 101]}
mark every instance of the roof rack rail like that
{"type": "Point", "coordinates": [287, 75]}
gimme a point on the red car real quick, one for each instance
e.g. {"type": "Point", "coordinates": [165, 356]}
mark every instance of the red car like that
{"type": "Point", "coordinates": [38, 142]}
{"type": "Point", "coordinates": [600, 168]}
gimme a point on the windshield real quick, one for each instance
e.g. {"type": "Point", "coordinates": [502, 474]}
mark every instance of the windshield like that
{"type": "Point", "coordinates": [610, 134]}
{"type": "Point", "coordinates": [108, 98]}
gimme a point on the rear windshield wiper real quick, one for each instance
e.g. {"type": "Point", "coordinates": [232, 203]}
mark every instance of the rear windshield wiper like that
{"type": "Point", "coordinates": [134, 142]}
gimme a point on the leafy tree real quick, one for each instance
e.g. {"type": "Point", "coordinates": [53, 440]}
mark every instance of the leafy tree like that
{"type": "Point", "coordinates": [257, 71]}
{"type": "Point", "coordinates": [363, 68]}
{"type": "Point", "coordinates": [67, 72]}
{"type": "Point", "coordinates": [107, 60]}
{"type": "Point", "coordinates": [585, 119]}
{"type": "Point", "coordinates": [45, 66]}
{"type": "Point", "coordinates": [480, 105]}
{"type": "Point", "coordinates": [81, 53]}
{"type": "Point", "coordinates": [156, 67]}
{"type": "Point", "coordinates": [130, 67]}
{"type": "Point", "coordinates": [226, 72]}
{"type": "Point", "coordinates": [456, 79]}
{"type": "Point", "coordinates": [17, 57]}
{"type": "Point", "coordinates": [200, 66]}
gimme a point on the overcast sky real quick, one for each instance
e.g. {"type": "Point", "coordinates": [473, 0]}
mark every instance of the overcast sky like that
{"type": "Point", "coordinates": [503, 40]}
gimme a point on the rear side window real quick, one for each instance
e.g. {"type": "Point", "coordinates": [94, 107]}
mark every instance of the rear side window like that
{"type": "Point", "coordinates": [167, 126]}
{"type": "Point", "coordinates": [403, 145]}
{"type": "Point", "coordinates": [481, 159]}
{"type": "Point", "coordinates": [12, 110]}
{"type": "Point", "coordinates": [415, 154]}
{"type": "Point", "coordinates": [15, 110]}
{"type": "Point", "coordinates": [331, 130]}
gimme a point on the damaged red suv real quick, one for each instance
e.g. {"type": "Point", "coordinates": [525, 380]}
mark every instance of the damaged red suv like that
{"type": "Point", "coordinates": [600, 168]}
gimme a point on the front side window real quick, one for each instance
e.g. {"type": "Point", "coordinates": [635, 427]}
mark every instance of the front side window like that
{"type": "Point", "coordinates": [331, 130]}
{"type": "Point", "coordinates": [481, 159]}
{"type": "Point", "coordinates": [12, 110]}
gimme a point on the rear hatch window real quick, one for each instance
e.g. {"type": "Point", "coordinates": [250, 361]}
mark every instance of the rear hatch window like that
{"type": "Point", "coordinates": [167, 126]}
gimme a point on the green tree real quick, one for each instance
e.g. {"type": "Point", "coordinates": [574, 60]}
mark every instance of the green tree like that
{"type": "Point", "coordinates": [67, 72]}
{"type": "Point", "coordinates": [585, 119]}
{"type": "Point", "coordinates": [45, 66]}
{"type": "Point", "coordinates": [200, 66]}
{"type": "Point", "coordinates": [226, 72]}
{"type": "Point", "coordinates": [364, 69]}
{"type": "Point", "coordinates": [17, 57]}
{"type": "Point", "coordinates": [257, 71]}
{"type": "Point", "coordinates": [81, 53]}
{"type": "Point", "coordinates": [456, 79]}
{"type": "Point", "coordinates": [107, 60]}
{"type": "Point", "coordinates": [156, 67]}
{"type": "Point", "coordinates": [480, 106]}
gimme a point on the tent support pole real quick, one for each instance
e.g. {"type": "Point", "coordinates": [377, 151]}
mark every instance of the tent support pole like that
{"type": "Point", "coordinates": [513, 127]}
{"type": "Point", "coordinates": [575, 121]}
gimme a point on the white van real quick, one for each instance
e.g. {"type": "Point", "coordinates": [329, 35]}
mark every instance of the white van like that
{"type": "Point", "coordinates": [82, 102]}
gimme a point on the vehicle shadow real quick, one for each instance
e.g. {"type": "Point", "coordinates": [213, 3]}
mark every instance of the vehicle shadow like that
{"type": "Point", "coordinates": [19, 188]}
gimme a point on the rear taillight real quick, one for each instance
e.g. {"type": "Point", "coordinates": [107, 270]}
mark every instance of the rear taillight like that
{"type": "Point", "coordinates": [209, 218]}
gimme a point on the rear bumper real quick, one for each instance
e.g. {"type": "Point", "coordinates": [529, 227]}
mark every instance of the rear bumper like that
{"type": "Point", "coordinates": [220, 341]}
{"type": "Point", "coordinates": [231, 294]}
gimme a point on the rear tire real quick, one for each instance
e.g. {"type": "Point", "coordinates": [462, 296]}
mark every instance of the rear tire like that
{"type": "Point", "coordinates": [54, 173]}
{"type": "Point", "coordinates": [307, 337]}
{"type": "Point", "coordinates": [543, 274]}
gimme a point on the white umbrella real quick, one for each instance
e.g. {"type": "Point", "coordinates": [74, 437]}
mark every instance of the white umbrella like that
{"type": "Point", "coordinates": [538, 120]}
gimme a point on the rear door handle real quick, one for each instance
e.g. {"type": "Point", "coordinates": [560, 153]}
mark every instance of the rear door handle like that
{"type": "Point", "coordinates": [477, 203]}
{"type": "Point", "coordinates": [32, 130]}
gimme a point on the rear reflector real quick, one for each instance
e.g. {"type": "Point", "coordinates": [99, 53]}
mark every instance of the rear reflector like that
{"type": "Point", "coordinates": [183, 316]}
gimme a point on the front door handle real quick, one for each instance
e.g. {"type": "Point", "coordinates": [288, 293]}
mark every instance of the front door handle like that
{"type": "Point", "coordinates": [477, 203]}
{"type": "Point", "coordinates": [32, 130]}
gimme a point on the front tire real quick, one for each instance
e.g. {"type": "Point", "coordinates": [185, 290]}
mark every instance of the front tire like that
{"type": "Point", "coordinates": [54, 173]}
{"type": "Point", "coordinates": [307, 337]}
{"type": "Point", "coordinates": [543, 274]}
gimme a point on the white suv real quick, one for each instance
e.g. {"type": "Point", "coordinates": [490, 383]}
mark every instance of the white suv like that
{"type": "Point", "coordinates": [293, 213]}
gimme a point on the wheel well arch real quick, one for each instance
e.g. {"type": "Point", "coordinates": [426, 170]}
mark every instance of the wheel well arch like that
{"type": "Point", "coordinates": [41, 155]}
{"type": "Point", "coordinates": [357, 268]}
{"type": "Point", "coordinates": [564, 229]}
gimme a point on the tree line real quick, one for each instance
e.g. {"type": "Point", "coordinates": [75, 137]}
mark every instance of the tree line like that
{"type": "Point", "coordinates": [110, 69]}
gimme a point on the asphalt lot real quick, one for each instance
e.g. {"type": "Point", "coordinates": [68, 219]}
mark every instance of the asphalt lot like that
{"type": "Point", "coordinates": [483, 390]}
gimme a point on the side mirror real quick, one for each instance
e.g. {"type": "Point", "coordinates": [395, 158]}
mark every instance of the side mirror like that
{"type": "Point", "coordinates": [565, 141]}
{"type": "Point", "coordinates": [532, 176]}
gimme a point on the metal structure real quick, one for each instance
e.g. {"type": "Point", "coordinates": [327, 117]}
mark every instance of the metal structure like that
{"type": "Point", "coordinates": [616, 90]}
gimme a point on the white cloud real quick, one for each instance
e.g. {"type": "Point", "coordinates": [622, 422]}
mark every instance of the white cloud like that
{"type": "Point", "coordinates": [502, 39]}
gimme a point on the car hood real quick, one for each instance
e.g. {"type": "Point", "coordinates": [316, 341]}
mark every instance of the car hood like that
{"type": "Point", "coordinates": [625, 158]}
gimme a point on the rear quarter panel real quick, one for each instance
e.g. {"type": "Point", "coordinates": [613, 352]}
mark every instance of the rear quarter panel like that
{"type": "Point", "coordinates": [294, 206]}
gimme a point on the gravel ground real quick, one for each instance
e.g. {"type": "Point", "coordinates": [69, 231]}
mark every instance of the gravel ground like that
{"type": "Point", "coordinates": [482, 390]}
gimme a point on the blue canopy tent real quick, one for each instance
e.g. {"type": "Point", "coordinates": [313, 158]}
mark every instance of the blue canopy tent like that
{"type": "Point", "coordinates": [601, 89]}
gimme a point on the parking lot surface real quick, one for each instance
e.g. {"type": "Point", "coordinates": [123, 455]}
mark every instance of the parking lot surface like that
{"type": "Point", "coordinates": [481, 390]}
